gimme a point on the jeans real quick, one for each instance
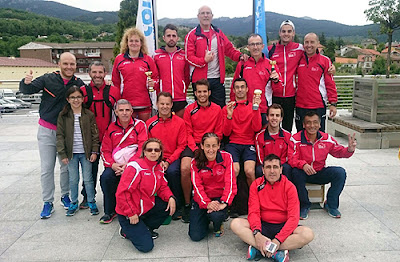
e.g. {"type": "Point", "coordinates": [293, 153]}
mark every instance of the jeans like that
{"type": "Point", "coordinates": [333, 174]}
{"type": "Point", "coordinates": [109, 183]}
{"type": "Point", "coordinates": [173, 176]}
{"type": "Point", "coordinates": [139, 233]}
{"type": "Point", "coordinates": [200, 219]}
{"type": "Point", "coordinates": [47, 150]}
{"type": "Point", "coordinates": [73, 169]}
{"type": "Point", "coordinates": [95, 170]}
{"type": "Point", "coordinates": [301, 112]}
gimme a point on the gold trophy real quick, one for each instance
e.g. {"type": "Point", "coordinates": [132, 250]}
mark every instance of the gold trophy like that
{"type": "Point", "coordinates": [273, 63]}
{"type": "Point", "coordinates": [257, 93]}
{"type": "Point", "coordinates": [148, 74]}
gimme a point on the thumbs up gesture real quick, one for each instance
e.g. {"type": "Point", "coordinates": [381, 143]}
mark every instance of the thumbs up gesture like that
{"type": "Point", "coordinates": [28, 77]}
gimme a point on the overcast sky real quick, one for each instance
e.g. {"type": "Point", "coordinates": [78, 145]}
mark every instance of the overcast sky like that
{"type": "Point", "coordinates": [349, 12]}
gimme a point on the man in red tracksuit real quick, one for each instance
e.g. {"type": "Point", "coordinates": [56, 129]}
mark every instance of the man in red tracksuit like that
{"type": "Point", "coordinates": [308, 151]}
{"type": "Point", "coordinates": [173, 69]}
{"type": "Point", "coordinates": [287, 55]}
{"type": "Point", "coordinates": [100, 99]}
{"type": "Point", "coordinates": [273, 215]}
{"type": "Point", "coordinates": [115, 132]}
{"type": "Point", "coordinates": [205, 48]}
{"type": "Point", "coordinates": [171, 130]}
{"type": "Point", "coordinates": [241, 122]}
{"type": "Point", "coordinates": [315, 86]}
{"type": "Point", "coordinates": [203, 116]}
{"type": "Point", "coordinates": [273, 140]}
{"type": "Point", "coordinates": [259, 74]}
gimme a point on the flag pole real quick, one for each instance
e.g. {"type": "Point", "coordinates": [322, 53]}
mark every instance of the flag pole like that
{"type": "Point", "coordinates": [155, 23]}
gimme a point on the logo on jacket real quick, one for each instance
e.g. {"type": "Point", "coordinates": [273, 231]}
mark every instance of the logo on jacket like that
{"type": "Point", "coordinates": [161, 56]}
{"type": "Point", "coordinates": [291, 54]}
{"type": "Point", "coordinates": [147, 174]}
{"type": "Point", "coordinates": [180, 58]}
{"type": "Point", "coordinates": [315, 69]}
{"type": "Point", "coordinates": [219, 172]}
{"type": "Point", "coordinates": [302, 65]}
{"type": "Point", "coordinates": [199, 37]}
{"type": "Point", "coordinates": [142, 69]}
{"type": "Point", "coordinates": [275, 56]}
{"type": "Point", "coordinates": [321, 146]}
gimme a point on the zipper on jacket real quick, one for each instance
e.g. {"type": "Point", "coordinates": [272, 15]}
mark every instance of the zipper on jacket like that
{"type": "Point", "coordinates": [285, 62]}
{"type": "Point", "coordinates": [172, 75]}
{"type": "Point", "coordinates": [155, 180]}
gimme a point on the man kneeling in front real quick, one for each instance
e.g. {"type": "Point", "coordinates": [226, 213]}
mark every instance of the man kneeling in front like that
{"type": "Point", "coordinates": [271, 228]}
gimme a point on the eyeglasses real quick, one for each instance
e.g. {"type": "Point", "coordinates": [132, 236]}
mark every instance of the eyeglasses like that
{"type": "Point", "coordinates": [205, 13]}
{"type": "Point", "coordinates": [149, 150]}
{"type": "Point", "coordinates": [255, 44]}
{"type": "Point", "coordinates": [75, 97]}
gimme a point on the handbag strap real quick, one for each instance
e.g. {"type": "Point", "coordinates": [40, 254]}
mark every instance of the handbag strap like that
{"type": "Point", "coordinates": [126, 135]}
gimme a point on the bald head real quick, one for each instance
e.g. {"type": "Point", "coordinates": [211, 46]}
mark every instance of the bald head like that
{"type": "Point", "coordinates": [67, 65]}
{"type": "Point", "coordinates": [311, 42]}
{"type": "Point", "coordinates": [205, 17]}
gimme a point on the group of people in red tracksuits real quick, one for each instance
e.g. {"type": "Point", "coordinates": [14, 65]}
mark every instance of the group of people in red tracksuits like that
{"type": "Point", "coordinates": [172, 163]}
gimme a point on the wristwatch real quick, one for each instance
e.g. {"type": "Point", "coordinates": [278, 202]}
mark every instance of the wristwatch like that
{"type": "Point", "coordinates": [255, 231]}
{"type": "Point", "coordinates": [334, 104]}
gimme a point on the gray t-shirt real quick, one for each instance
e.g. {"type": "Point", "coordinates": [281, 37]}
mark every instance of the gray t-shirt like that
{"type": "Point", "coordinates": [78, 141]}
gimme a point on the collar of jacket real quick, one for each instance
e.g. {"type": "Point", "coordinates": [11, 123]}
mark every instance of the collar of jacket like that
{"type": "Point", "coordinates": [267, 136]}
{"type": "Point", "coordinates": [304, 138]}
{"type": "Point", "coordinates": [198, 30]}
{"type": "Point", "coordinates": [93, 86]}
{"type": "Point", "coordinates": [117, 123]}
{"type": "Point", "coordinates": [165, 51]}
{"type": "Point", "coordinates": [164, 120]}
{"type": "Point", "coordinates": [242, 102]}
{"type": "Point", "coordinates": [199, 106]}
{"type": "Point", "coordinates": [307, 58]}
{"type": "Point", "coordinates": [219, 159]}
{"type": "Point", "coordinates": [127, 56]}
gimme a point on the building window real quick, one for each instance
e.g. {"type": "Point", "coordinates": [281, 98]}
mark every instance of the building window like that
{"type": "Point", "coordinates": [80, 51]}
{"type": "Point", "coordinates": [71, 51]}
{"type": "Point", "coordinates": [81, 70]}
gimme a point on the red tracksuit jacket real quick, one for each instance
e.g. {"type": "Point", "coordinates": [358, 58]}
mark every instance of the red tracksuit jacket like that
{"type": "Point", "coordinates": [171, 132]}
{"type": "Point", "coordinates": [287, 58]}
{"type": "Point", "coordinates": [101, 111]}
{"type": "Point", "coordinates": [129, 76]}
{"type": "Point", "coordinates": [275, 204]}
{"type": "Point", "coordinates": [114, 134]}
{"type": "Point", "coordinates": [302, 151]}
{"type": "Point", "coordinates": [196, 46]}
{"type": "Point", "coordinates": [272, 144]}
{"type": "Point", "coordinates": [139, 182]}
{"type": "Point", "coordinates": [315, 86]}
{"type": "Point", "coordinates": [244, 125]}
{"type": "Point", "coordinates": [216, 180]}
{"type": "Point", "coordinates": [200, 120]}
{"type": "Point", "coordinates": [257, 75]}
{"type": "Point", "coordinates": [174, 73]}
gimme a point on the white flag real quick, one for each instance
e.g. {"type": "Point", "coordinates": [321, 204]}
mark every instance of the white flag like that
{"type": "Point", "coordinates": [145, 23]}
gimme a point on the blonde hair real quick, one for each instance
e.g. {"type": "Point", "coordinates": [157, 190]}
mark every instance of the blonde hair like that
{"type": "Point", "coordinates": [128, 34]}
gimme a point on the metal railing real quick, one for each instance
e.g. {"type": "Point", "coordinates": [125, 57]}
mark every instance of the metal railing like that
{"type": "Point", "coordinates": [344, 85]}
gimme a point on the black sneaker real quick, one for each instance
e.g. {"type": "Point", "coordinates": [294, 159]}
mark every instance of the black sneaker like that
{"type": "Point", "coordinates": [154, 235]}
{"type": "Point", "coordinates": [186, 214]}
{"type": "Point", "coordinates": [178, 214]}
{"type": "Point", "coordinates": [107, 219]}
{"type": "Point", "coordinates": [122, 234]}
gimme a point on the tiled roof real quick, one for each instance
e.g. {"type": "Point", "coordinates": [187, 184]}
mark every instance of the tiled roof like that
{"type": "Point", "coordinates": [345, 60]}
{"type": "Point", "coordinates": [24, 62]}
{"type": "Point", "coordinates": [36, 45]}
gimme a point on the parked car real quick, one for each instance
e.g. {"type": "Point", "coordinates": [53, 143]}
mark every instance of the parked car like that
{"type": "Point", "coordinates": [34, 98]}
{"type": "Point", "coordinates": [20, 103]}
{"type": "Point", "coordinates": [7, 106]}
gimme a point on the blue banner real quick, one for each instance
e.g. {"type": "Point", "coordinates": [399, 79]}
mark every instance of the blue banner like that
{"type": "Point", "coordinates": [259, 25]}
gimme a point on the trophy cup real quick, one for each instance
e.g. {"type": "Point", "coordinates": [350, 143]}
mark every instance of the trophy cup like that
{"type": "Point", "coordinates": [258, 93]}
{"type": "Point", "coordinates": [272, 63]}
{"type": "Point", "coordinates": [148, 74]}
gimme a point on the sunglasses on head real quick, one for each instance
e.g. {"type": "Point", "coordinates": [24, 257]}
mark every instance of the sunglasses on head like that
{"type": "Point", "coordinates": [149, 150]}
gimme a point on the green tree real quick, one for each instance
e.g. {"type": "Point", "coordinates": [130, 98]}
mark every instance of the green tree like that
{"type": "Point", "coordinates": [339, 42]}
{"type": "Point", "coordinates": [330, 49]}
{"type": "Point", "coordinates": [380, 47]}
{"type": "Point", "coordinates": [127, 18]}
{"type": "Point", "coordinates": [379, 66]}
{"type": "Point", "coordinates": [322, 39]}
{"type": "Point", "coordinates": [386, 13]}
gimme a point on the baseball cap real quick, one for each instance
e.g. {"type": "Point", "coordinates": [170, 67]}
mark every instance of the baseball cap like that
{"type": "Point", "coordinates": [287, 22]}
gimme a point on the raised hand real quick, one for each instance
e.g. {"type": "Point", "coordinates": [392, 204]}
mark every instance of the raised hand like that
{"type": "Point", "coordinates": [28, 77]}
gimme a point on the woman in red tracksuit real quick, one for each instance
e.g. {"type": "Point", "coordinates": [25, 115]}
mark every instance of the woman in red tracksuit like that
{"type": "Point", "coordinates": [129, 73]}
{"type": "Point", "coordinates": [139, 210]}
{"type": "Point", "coordinates": [214, 185]}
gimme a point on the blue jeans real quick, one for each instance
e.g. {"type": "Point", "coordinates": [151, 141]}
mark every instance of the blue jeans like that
{"type": "Point", "coordinates": [333, 174]}
{"type": "Point", "coordinates": [200, 219]}
{"type": "Point", "coordinates": [73, 169]}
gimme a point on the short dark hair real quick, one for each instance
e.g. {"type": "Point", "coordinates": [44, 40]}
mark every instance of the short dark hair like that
{"type": "Point", "coordinates": [254, 35]}
{"type": "Point", "coordinates": [97, 63]}
{"type": "Point", "coordinates": [311, 113]}
{"type": "Point", "coordinates": [271, 157]}
{"type": "Point", "coordinates": [240, 79]}
{"type": "Point", "coordinates": [203, 82]}
{"type": "Point", "coordinates": [170, 27]}
{"type": "Point", "coordinates": [275, 106]}
{"type": "Point", "coordinates": [164, 94]}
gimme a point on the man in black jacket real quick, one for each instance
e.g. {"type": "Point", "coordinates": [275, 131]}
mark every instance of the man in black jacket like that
{"type": "Point", "coordinates": [54, 85]}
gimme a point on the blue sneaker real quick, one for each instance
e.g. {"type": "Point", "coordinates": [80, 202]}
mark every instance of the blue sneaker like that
{"type": "Point", "coordinates": [253, 253]}
{"type": "Point", "coordinates": [65, 201]}
{"type": "Point", "coordinates": [93, 208]}
{"type": "Point", "coordinates": [73, 208]}
{"type": "Point", "coordinates": [333, 212]}
{"type": "Point", "coordinates": [281, 256]}
{"type": "Point", "coordinates": [304, 213]}
{"type": "Point", "coordinates": [219, 232]}
{"type": "Point", "coordinates": [48, 208]}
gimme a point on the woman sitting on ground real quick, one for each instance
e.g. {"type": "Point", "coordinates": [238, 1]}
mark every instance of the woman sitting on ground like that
{"type": "Point", "coordinates": [214, 185]}
{"type": "Point", "coordinates": [139, 210]}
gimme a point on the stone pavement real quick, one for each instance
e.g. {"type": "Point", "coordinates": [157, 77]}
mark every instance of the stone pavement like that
{"type": "Point", "coordinates": [369, 229]}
